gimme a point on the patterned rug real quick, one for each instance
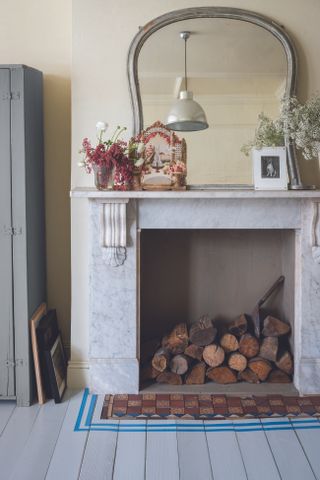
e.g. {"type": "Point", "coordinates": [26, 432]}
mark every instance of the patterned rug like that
{"type": "Point", "coordinates": [206, 407]}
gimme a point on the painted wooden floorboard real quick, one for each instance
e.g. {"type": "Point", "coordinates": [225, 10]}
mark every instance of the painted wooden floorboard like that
{"type": "Point", "coordinates": [34, 460]}
{"type": "Point", "coordinates": [194, 460]}
{"type": "Point", "coordinates": [14, 438]}
{"type": "Point", "coordinates": [67, 457]}
{"type": "Point", "coordinates": [289, 456]}
{"type": "Point", "coordinates": [6, 410]}
{"type": "Point", "coordinates": [162, 453]}
{"type": "Point", "coordinates": [130, 453]}
{"type": "Point", "coordinates": [310, 442]}
{"type": "Point", "coordinates": [99, 455]}
{"type": "Point", "coordinates": [224, 451]}
{"type": "Point", "coordinates": [255, 451]}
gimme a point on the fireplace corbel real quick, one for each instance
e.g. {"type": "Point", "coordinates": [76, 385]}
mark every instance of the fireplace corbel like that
{"type": "Point", "coordinates": [113, 230]}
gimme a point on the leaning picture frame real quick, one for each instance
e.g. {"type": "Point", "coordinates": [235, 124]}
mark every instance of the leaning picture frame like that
{"type": "Point", "coordinates": [270, 168]}
{"type": "Point", "coordinates": [34, 322]}
{"type": "Point", "coordinates": [57, 369]}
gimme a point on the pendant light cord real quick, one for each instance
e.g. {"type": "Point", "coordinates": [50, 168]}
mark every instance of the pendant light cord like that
{"type": "Point", "coordinates": [185, 64]}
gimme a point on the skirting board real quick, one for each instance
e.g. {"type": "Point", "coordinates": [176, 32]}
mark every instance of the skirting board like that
{"type": "Point", "coordinates": [78, 374]}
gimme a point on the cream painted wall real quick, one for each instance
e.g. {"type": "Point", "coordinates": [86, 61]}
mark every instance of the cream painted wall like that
{"type": "Point", "coordinates": [102, 32]}
{"type": "Point", "coordinates": [38, 34]}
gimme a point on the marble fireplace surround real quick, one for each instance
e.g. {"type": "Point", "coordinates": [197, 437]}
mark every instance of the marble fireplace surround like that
{"type": "Point", "coordinates": [116, 218]}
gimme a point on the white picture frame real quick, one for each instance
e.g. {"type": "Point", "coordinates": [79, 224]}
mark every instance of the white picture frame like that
{"type": "Point", "coordinates": [270, 168]}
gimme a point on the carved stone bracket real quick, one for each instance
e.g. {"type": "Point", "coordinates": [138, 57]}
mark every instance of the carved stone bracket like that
{"type": "Point", "coordinates": [316, 232]}
{"type": "Point", "coordinates": [113, 231]}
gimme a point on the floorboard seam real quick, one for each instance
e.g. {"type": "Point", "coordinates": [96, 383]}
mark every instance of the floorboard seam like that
{"type": "Point", "coordinates": [55, 444]}
{"type": "Point", "coordinates": [5, 425]}
{"type": "Point", "coordinates": [305, 454]}
{"type": "Point", "coordinates": [275, 462]}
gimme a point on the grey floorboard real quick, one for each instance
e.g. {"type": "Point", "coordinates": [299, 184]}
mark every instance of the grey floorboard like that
{"type": "Point", "coordinates": [194, 460]}
{"type": "Point", "coordinates": [35, 458]}
{"type": "Point", "coordinates": [309, 439]}
{"type": "Point", "coordinates": [224, 451]}
{"type": "Point", "coordinates": [162, 453]}
{"type": "Point", "coordinates": [15, 436]}
{"type": "Point", "coordinates": [99, 456]}
{"type": "Point", "coordinates": [67, 457]}
{"type": "Point", "coordinates": [287, 451]}
{"type": "Point", "coordinates": [130, 453]}
{"type": "Point", "coordinates": [6, 410]}
{"type": "Point", "coordinates": [255, 451]}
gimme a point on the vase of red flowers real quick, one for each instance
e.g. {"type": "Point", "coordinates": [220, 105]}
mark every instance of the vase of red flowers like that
{"type": "Point", "coordinates": [108, 160]}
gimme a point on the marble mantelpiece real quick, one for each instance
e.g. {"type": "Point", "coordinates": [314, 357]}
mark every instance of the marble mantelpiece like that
{"type": "Point", "coordinates": [114, 298]}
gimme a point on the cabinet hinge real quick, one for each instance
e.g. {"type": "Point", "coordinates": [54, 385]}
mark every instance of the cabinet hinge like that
{"type": "Point", "coordinates": [15, 95]}
{"type": "Point", "coordinates": [14, 363]}
{"type": "Point", "coordinates": [11, 96]}
{"type": "Point", "coordinates": [12, 231]}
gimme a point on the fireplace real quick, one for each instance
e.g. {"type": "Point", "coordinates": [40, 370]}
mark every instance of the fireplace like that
{"type": "Point", "coordinates": [219, 251]}
{"type": "Point", "coordinates": [185, 274]}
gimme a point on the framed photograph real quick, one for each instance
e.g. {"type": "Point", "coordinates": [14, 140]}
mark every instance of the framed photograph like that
{"type": "Point", "coordinates": [270, 168]}
{"type": "Point", "coordinates": [57, 369]}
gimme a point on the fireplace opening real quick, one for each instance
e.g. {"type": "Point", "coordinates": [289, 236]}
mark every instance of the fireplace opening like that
{"type": "Point", "coordinates": [190, 277]}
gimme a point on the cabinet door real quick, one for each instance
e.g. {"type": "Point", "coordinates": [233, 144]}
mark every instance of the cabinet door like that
{"type": "Point", "coordinates": [7, 370]}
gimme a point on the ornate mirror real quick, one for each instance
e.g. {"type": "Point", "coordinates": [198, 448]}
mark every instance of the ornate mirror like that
{"type": "Point", "coordinates": [239, 65]}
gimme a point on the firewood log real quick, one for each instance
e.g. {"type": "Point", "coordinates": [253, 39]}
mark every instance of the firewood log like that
{"type": "Point", "coordinates": [273, 327]}
{"type": "Point", "coordinates": [222, 375]}
{"type": "Point", "coordinates": [278, 376]}
{"type": "Point", "coordinates": [194, 351]}
{"type": "Point", "coordinates": [238, 326]}
{"type": "Point", "coordinates": [177, 340]}
{"type": "Point", "coordinates": [202, 332]}
{"type": "Point", "coordinates": [160, 360]}
{"type": "Point", "coordinates": [285, 362]}
{"type": "Point", "coordinates": [229, 342]}
{"type": "Point", "coordinates": [179, 364]}
{"type": "Point", "coordinates": [197, 374]}
{"type": "Point", "coordinates": [213, 355]}
{"type": "Point", "coordinates": [148, 372]}
{"type": "Point", "coordinates": [148, 348]}
{"type": "Point", "coordinates": [249, 345]}
{"type": "Point", "coordinates": [170, 378]}
{"type": "Point", "coordinates": [248, 376]}
{"type": "Point", "coordinates": [269, 348]}
{"type": "Point", "coordinates": [261, 367]}
{"type": "Point", "coordinates": [237, 362]}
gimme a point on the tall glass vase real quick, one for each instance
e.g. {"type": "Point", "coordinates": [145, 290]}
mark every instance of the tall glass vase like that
{"type": "Point", "coordinates": [103, 177]}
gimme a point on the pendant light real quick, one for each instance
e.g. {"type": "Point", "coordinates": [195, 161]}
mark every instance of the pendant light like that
{"type": "Point", "coordinates": [186, 115]}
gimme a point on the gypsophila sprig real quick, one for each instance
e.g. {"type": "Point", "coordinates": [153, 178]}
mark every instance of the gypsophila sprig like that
{"type": "Point", "coordinates": [269, 133]}
{"type": "Point", "coordinates": [301, 123]}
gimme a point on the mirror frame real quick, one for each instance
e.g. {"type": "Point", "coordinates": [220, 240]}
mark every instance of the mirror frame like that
{"type": "Point", "coordinates": [215, 12]}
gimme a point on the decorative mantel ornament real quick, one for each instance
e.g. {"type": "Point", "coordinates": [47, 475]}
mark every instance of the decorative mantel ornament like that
{"type": "Point", "coordinates": [164, 155]}
{"type": "Point", "coordinates": [113, 231]}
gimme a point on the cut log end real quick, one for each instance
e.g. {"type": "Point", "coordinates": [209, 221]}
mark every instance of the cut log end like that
{"type": "Point", "coordinates": [261, 367]}
{"type": "Point", "coordinates": [213, 355]}
{"type": "Point", "coordinates": [197, 374]}
{"type": "Point", "coordinates": [223, 375]}
{"type": "Point", "coordinates": [249, 345]}
{"type": "Point", "coordinates": [237, 362]}
{"type": "Point", "coordinates": [273, 327]}
{"type": "Point", "coordinates": [194, 351]}
{"type": "Point", "coordinates": [229, 343]}
{"type": "Point", "coordinates": [238, 326]}
{"type": "Point", "coordinates": [169, 378]}
{"type": "Point", "coordinates": [202, 332]}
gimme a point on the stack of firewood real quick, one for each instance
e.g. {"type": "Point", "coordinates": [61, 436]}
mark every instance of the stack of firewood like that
{"type": "Point", "coordinates": [226, 353]}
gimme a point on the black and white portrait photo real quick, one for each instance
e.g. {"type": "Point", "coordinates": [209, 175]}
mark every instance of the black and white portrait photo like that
{"type": "Point", "coordinates": [270, 167]}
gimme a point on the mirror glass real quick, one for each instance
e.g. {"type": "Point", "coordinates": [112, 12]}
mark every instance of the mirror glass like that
{"type": "Point", "coordinates": [235, 70]}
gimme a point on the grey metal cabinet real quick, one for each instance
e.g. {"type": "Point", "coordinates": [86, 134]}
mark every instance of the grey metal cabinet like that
{"type": "Point", "coordinates": [22, 225]}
